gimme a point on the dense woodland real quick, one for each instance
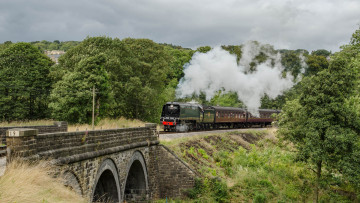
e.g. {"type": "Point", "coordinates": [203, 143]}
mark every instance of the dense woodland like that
{"type": "Point", "coordinates": [133, 78]}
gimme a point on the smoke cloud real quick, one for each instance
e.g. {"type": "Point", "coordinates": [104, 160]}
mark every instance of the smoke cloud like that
{"type": "Point", "coordinates": [218, 70]}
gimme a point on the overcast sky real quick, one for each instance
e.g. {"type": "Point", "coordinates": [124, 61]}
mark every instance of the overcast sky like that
{"type": "Point", "coordinates": [291, 24]}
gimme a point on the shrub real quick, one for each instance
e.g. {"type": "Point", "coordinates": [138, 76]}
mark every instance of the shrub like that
{"type": "Point", "coordinates": [259, 198]}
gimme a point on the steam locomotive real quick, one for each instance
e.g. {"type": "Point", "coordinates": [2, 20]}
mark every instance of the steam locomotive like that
{"type": "Point", "coordinates": [178, 116]}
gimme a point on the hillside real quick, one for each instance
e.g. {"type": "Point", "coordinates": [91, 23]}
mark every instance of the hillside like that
{"type": "Point", "coordinates": [252, 166]}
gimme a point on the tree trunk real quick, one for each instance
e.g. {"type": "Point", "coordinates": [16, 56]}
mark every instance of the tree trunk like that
{"type": "Point", "coordinates": [318, 177]}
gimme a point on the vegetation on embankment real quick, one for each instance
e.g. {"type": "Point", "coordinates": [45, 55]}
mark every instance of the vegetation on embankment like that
{"type": "Point", "coordinates": [24, 182]}
{"type": "Point", "coordinates": [252, 166]}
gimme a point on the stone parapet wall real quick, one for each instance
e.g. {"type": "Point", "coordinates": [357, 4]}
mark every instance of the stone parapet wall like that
{"type": "Point", "coordinates": [64, 144]}
{"type": "Point", "coordinates": [58, 126]}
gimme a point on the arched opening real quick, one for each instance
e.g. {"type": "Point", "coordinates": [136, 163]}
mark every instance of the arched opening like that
{"type": "Point", "coordinates": [106, 189]}
{"type": "Point", "coordinates": [136, 185]}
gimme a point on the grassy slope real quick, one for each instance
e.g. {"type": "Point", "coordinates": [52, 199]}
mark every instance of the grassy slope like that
{"type": "Point", "coordinates": [31, 183]}
{"type": "Point", "coordinates": [246, 167]}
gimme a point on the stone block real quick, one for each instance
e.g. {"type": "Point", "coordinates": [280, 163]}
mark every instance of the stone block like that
{"type": "Point", "coordinates": [21, 132]}
{"type": "Point", "coordinates": [60, 123]}
{"type": "Point", "coordinates": [150, 125]}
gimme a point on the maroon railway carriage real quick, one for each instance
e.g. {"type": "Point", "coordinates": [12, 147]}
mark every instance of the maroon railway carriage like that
{"type": "Point", "coordinates": [231, 117]}
{"type": "Point", "coordinates": [265, 117]}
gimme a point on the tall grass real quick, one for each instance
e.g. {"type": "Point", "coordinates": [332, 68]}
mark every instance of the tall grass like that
{"type": "Point", "coordinates": [26, 123]}
{"type": "Point", "coordinates": [108, 124]}
{"type": "Point", "coordinates": [28, 183]}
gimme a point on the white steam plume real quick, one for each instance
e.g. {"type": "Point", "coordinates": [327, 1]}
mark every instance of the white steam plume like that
{"type": "Point", "coordinates": [218, 70]}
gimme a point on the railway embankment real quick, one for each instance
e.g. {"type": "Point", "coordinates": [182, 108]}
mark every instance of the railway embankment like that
{"type": "Point", "coordinates": [243, 166]}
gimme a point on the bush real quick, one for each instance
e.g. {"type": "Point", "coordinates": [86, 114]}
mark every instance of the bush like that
{"type": "Point", "coordinates": [197, 190]}
{"type": "Point", "coordinates": [220, 190]}
{"type": "Point", "coordinates": [259, 198]}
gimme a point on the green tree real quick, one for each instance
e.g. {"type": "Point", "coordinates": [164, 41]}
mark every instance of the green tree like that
{"type": "Point", "coordinates": [5, 45]}
{"type": "Point", "coordinates": [292, 63]}
{"type": "Point", "coordinates": [324, 131]}
{"type": "Point", "coordinates": [315, 64]}
{"type": "Point", "coordinates": [24, 83]}
{"type": "Point", "coordinates": [203, 49]}
{"type": "Point", "coordinates": [137, 70]}
{"type": "Point", "coordinates": [53, 46]}
{"type": "Point", "coordinates": [178, 58]}
{"type": "Point", "coordinates": [226, 99]}
{"type": "Point", "coordinates": [71, 98]}
{"type": "Point", "coordinates": [147, 84]}
{"type": "Point", "coordinates": [234, 50]}
{"type": "Point", "coordinates": [321, 52]}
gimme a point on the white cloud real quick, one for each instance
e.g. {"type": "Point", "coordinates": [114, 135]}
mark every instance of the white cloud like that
{"type": "Point", "coordinates": [308, 24]}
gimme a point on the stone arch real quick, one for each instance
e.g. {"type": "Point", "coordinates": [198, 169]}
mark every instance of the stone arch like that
{"type": "Point", "coordinates": [136, 182]}
{"type": "Point", "coordinates": [106, 187]}
{"type": "Point", "coordinates": [71, 181]}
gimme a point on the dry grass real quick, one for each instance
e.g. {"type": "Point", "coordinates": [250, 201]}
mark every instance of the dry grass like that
{"type": "Point", "coordinates": [108, 124]}
{"type": "Point", "coordinates": [26, 123]}
{"type": "Point", "coordinates": [271, 134]}
{"type": "Point", "coordinates": [23, 182]}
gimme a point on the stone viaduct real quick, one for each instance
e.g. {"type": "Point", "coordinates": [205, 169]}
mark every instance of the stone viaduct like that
{"type": "Point", "coordinates": [107, 165]}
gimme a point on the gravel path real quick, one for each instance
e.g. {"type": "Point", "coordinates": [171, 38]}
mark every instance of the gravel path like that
{"type": "Point", "coordinates": [170, 136]}
{"type": "Point", "coordinates": [2, 165]}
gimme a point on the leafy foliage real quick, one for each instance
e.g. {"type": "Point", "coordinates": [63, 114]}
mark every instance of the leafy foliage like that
{"type": "Point", "coordinates": [315, 64]}
{"type": "Point", "coordinates": [55, 45]}
{"type": "Point", "coordinates": [138, 72]}
{"type": "Point", "coordinates": [324, 131]}
{"type": "Point", "coordinates": [71, 98]}
{"type": "Point", "coordinates": [203, 49]}
{"type": "Point", "coordinates": [292, 63]}
{"type": "Point", "coordinates": [321, 52]}
{"type": "Point", "coordinates": [24, 82]}
{"type": "Point", "coordinates": [234, 50]}
{"type": "Point", "coordinates": [226, 99]}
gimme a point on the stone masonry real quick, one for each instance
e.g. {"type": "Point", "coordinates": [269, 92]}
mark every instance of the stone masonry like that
{"type": "Point", "coordinates": [171, 176]}
{"type": "Point", "coordinates": [128, 164]}
{"type": "Point", "coordinates": [58, 126]}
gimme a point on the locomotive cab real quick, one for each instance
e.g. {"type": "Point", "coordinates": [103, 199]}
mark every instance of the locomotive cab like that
{"type": "Point", "coordinates": [170, 116]}
{"type": "Point", "coordinates": [177, 116]}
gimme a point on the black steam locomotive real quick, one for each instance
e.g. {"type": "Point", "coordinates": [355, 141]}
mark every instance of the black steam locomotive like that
{"type": "Point", "coordinates": [178, 116]}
